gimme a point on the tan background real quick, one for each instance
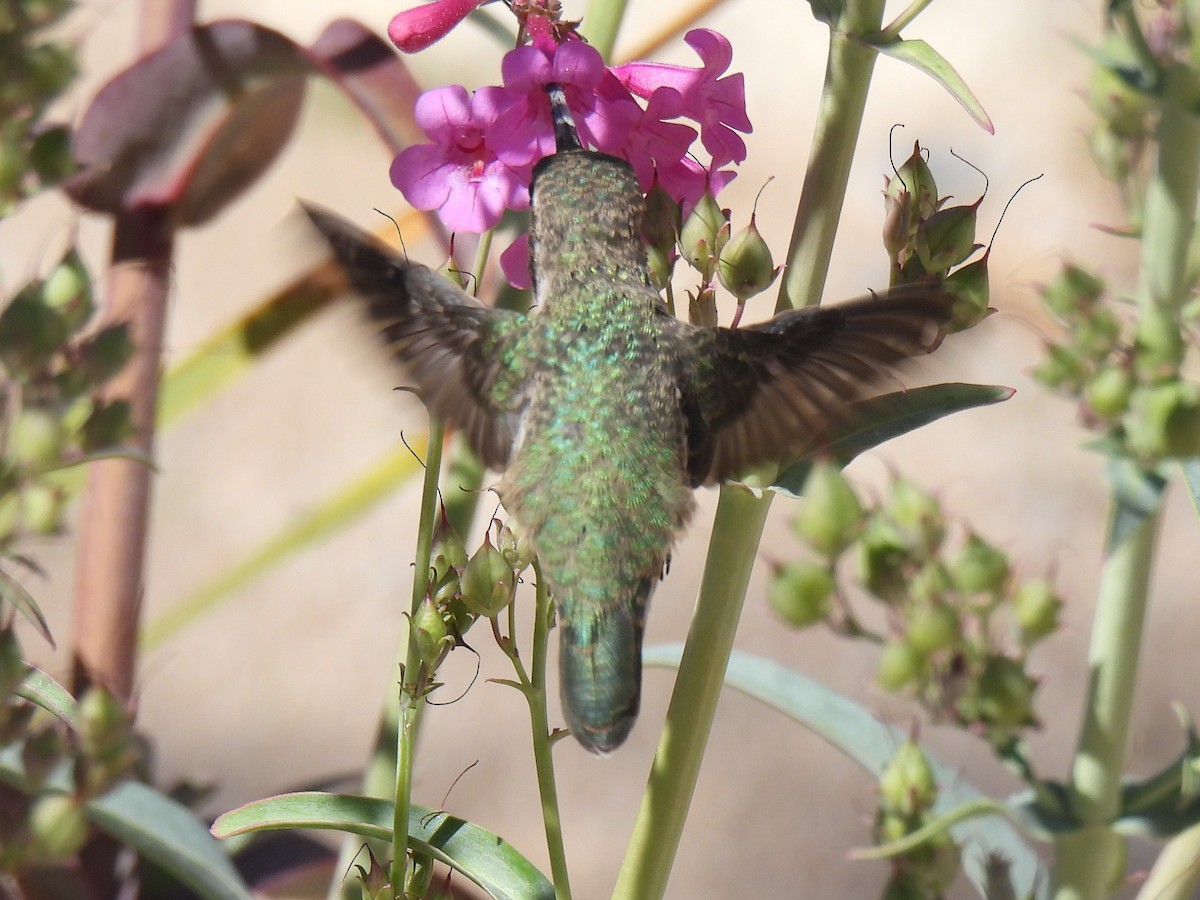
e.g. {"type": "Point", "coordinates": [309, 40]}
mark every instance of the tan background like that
{"type": "Point", "coordinates": [282, 686]}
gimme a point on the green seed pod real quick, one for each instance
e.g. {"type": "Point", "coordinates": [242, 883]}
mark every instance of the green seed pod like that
{"type": "Point", "coordinates": [1071, 292]}
{"type": "Point", "coordinates": [884, 560]}
{"type": "Point", "coordinates": [907, 787]}
{"type": "Point", "coordinates": [1062, 369]}
{"type": "Point", "coordinates": [917, 515]}
{"type": "Point", "coordinates": [661, 221]}
{"type": "Point", "coordinates": [30, 331]}
{"type": "Point", "coordinates": [831, 516]}
{"type": "Point", "coordinates": [68, 291]}
{"type": "Point", "coordinates": [703, 234]}
{"type": "Point", "coordinates": [897, 220]}
{"type": "Point", "coordinates": [900, 664]}
{"type": "Point", "coordinates": [930, 627]}
{"type": "Point", "coordinates": [801, 593]}
{"type": "Point", "coordinates": [1004, 694]}
{"type": "Point", "coordinates": [35, 439]}
{"type": "Point", "coordinates": [745, 266]}
{"type": "Point", "coordinates": [488, 582]}
{"type": "Point", "coordinates": [42, 508]}
{"type": "Point", "coordinates": [979, 567]}
{"type": "Point", "coordinates": [1036, 608]}
{"type": "Point", "coordinates": [931, 584]}
{"type": "Point", "coordinates": [57, 826]}
{"type": "Point", "coordinates": [1164, 421]}
{"type": "Point", "coordinates": [1107, 395]}
{"type": "Point", "coordinates": [430, 633]}
{"type": "Point", "coordinates": [104, 724]}
{"type": "Point", "coordinates": [915, 178]}
{"type": "Point", "coordinates": [969, 284]}
{"type": "Point", "coordinates": [947, 238]}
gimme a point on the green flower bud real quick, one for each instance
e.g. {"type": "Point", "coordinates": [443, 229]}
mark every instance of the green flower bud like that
{"type": "Point", "coordinates": [929, 627]}
{"type": "Point", "coordinates": [979, 567]}
{"type": "Point", "coordinates": [745, 266]}
{"type": "Point", "coordinates": [947, 238]}
{"type": "Point", "coordinates": [703, 234]}
{"type": "Point", "coordinates": [488, 582]}
{"type": "Point", "coordinates": [661, 265]}
{"type": "Point", "coordinates": [30, 331]}
{"type": "Point", "coordinates": [1036, 609]}
{"type": "Point", "coordinates": [1074, 290]}
{"type": "Point", "coordinates": [900, 664]}
{"type": "Point", "coordinates": [907, 787]}
{"type": "Point", "coordinates": [1004, 694]}
{"type": "Point", "coordinates": [57, 826]}
{"type": "Point", "coordinates": [1097, 334]}
{"type": "Point", "coordinates": [107, 426]}
{"type": "Point", "coordinates": [68, 291]}
{"type": "Point", "coordinates": [831, 516]}
{"type": "Point", "coordinates": [931, 583]}
{"type": "Point", "coordinates": [105, 353]}
{"type": "Point", "coordinates": [801, 593]}
{"type": "Point", "coordinates": [661, 221]}
{"type": "Point", "coordinates": [1122, 107]}
{"type": "Point", "coordinates": [897, 220]}
{"type": "Point", "coordinates": [35, 439]}
{"type": "Point", "coordinates": [915, 178]}
{"type": "Point", "coordinates": [1107, 395]}
{"type": "Point", "coordinates": [517, 548]}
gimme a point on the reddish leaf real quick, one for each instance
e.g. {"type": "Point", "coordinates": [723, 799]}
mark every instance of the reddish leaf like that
{"type": "Point", "coordinates": [191, 125]}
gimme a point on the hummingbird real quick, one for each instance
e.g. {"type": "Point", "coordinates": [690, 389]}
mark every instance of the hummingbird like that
{"type": "Point", "coordinates": [604, 411]}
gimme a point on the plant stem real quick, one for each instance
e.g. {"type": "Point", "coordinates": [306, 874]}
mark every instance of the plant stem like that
{"type": "Point", "coordinates": [736, 531]}
{"type": "Point", "coordinates": [543, 743]}
{"type": "Point", "coordinates": [116, 509]}
{"type": "Point", "coordinates": [1085, 859]}
{"type": "Point", "coordinates": [839, 118]}
{"type": "Point", "coordinates": [412, 689]}
{"type": "Point", "coordinates": [603, 21]}
{"type": "Point", "coordinates": [739, 520]}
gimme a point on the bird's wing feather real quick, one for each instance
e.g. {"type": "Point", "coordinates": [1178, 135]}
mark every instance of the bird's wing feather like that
{"type": "Point", "coordinates": [452, 346]}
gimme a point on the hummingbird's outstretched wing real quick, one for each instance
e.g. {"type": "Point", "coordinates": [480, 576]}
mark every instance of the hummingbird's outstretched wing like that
{"type": "Point", "coordinates": [453, 346]}
{"type": "Point", "coordinates": [761, 393]}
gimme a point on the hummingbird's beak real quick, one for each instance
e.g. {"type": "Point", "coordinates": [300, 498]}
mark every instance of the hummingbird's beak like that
{"type": "Point", "coordinates": [566, 137]}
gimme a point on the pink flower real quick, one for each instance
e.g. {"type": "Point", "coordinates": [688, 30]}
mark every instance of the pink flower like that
{"type": "Point", "coordinates": [461, 174]}
{"type": "Point", "coordinates": [417, 28]}
{"type": "Point", "coordinates": [514, 263]}
{"type": "Point", "coordinates": [717, 104]}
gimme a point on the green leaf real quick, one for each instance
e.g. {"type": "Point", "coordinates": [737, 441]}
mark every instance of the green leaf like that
{"type": "Point", "coordinates": [14, 594]}
{"type": "Point", "coordinates": [349, 503]}
{"type": "Point", "coordinates": [38, 687]}
{"type": "Point", "coordinates": [170, 835]}
{"type": "Point", "coordinates": [891, 415]}
{"type": "Point", "coordinates": [870, 742]}
{"type": "Point", "coordinates": [1191, 477]}
{"type": "Point", "coordinates": [481, 856]}
{"type": "Point", "coordinates": [165, 832]}
{"type": "Point", "coordinates": [919, 54]}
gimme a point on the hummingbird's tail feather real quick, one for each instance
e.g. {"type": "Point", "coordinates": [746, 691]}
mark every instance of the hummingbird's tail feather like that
{"type": "Point", "coordinates": [600, 668]}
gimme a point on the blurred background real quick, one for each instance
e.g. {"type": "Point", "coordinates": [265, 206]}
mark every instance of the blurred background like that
{"type": "Point", "coordinates": [281, 686]}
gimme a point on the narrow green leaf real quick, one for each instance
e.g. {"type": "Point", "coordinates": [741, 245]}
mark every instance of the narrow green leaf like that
{"type": "Point", "coordinates": [888, 416]}
{"type": "Point", "coordinates": [349, 503]}
{"type": "Point", "coordinates": [919, 54]}
{"type": "Point", "coordinates": [481, 856]}
{"type": "Point", "coordinates": [14, 594]}
{"type": "Point", "coordinates": [1191, 477]}
{"type": "Point", "coordinates": [869, 742]}
{"type": "Point", "coordinates": [170, 835]}
{"type": "Point", "coordinates": [38, 687]}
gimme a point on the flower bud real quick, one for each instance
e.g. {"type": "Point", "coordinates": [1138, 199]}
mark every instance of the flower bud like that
{"type": "Point", "coordinates": [801, 593]}
{"type": "Point", "coordinates": [35, 439]}
{"type": "Point", "coordinates": [1004, 694]}
{"type": "Point", "coordinates": [1107, 395]}
{"type": "Point", "coordinates": [42, 508]}
{"type": "Point", "coordinates": [915, 178]}
{"type": "Point", "coordinates": [745, 266]}
{"type": "Point", "coordinates": [979, 567]}
{"type": "Point", "coordinates": [831, 516]}
{"type": "Point", "coordinates": [661, 221]}
{"type": "Point", "coordinates": [487, 582]}
{"type": "Point", "coordinates": [68, 291]}
{"type": "Point", "coordinates": [884, 561]}
{"type": "Point", "coordinates": [432, 636]}
{"type": "Point", "coordinates": [917, 514]}
{"type": "Point", "coordinates": [1073, 291]}
{"type": "Point", "coordinates": [929, 627]}
{"type": "Point", "coordinates": [1062, 369]}
{"type": "Point", "coordinates": [969, 285]}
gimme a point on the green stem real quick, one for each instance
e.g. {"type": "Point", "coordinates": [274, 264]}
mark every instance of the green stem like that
{"type": "Point", "coordinates": [1084, 860]}
{"type": "Point", "coordinates": [913, 10]}
{"type": "Point", "coordinates": [543, 743]}
{"type": "Point", "coordinates": [412, 689]}
{"type": "Point", "coordinates": [602, 21]}
{"type": "Point", "coordinates": [736, 531]}
{"type": "Point", "coordinates": [839, 118]}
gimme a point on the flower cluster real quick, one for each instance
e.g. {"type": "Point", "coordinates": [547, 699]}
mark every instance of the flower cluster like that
{"type": "Point", "coordinates": [483, 146]}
